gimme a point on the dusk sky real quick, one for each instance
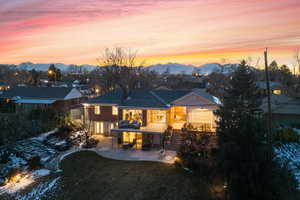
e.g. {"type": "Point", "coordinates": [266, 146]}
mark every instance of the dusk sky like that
{"type": "Point", "coordinates": [162, 31]}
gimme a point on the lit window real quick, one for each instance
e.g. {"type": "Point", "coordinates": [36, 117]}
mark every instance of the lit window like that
{"type": "Point", "coordinates": [99, 127]}
{"type": "Point", "coordinates": [278, 92]}
{"type": "Point", "coordinates": [115, 110]}
{"type": "Point", "coordinates": [97, 110]}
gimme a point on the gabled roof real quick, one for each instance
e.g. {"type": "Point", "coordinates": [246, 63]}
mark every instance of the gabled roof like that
{"type": "Point", "coordinates": [209, 97]}
{"type": "Point", "coordinates": [273, 84]}
{"type": "Point", "coordinates": [145, 98]}
{"type": "Point", "coordinates": [57, 93]}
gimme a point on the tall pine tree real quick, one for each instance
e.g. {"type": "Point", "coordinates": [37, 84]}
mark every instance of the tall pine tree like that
{"type": "Point", "coordinates": [244, 153]}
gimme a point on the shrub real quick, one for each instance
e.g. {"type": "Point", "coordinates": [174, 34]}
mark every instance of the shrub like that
{"type": "Point", "coordinates": [286, 135]}
{"type": "Point", "coordinates": [4, 156]}
{"type": "Point", "coordinates": [90, 143]}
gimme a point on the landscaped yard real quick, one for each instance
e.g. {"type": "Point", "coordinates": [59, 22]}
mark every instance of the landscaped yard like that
{"type": "Point", "coordinates": [89, 176]}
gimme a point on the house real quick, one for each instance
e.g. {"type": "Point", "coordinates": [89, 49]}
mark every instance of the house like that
{"type": "Point", "coordinates": [3, 87]}
{"type": "Point", "coordinates": [155, 110]}
{"type": "Point", "coordinates": [285, 110]}
{"type": "Point", "coordinates": [275, 87]}
{"type": "Point", "coordinates": [24, 99]}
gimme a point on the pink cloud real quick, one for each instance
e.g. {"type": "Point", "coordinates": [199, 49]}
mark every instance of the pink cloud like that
{"type": "Point", "coordinates": [76, 31]}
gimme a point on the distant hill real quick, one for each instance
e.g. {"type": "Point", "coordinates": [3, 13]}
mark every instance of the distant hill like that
{"type": "Point", "coordinates": [171, 68]}
{"type": "Point", "coordinates": [44, 67]}
{"type": "Point", "coordinates": [174, 68]}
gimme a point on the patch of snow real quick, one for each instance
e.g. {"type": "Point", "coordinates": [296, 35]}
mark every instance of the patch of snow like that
{"type": "Point", "coordinates": [27, 179]}
{"type": "Point", "coordinates": [43, 136]}
{"type": "Point", "coordinates": [38, 192]}
{"type": "Point", "coordinates": [41, 172]}
{"type": "Point", "coordinates": [291, 154]}
{"type": "Point", "coordinates": [217, 100]}
{"type": "Point", "coordinates": [297, 130]}
{"type": "Point", "coordinates": [61, 142]}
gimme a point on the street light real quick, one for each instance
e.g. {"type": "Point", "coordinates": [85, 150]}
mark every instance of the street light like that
{"type": "Point", "coordinates": [51, 72]}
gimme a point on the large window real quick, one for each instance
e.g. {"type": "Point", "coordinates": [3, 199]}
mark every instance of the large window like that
{"type": "Point", "coordinates": [157, 116]}
{"type": "Point", "coordinates": [178, 113]}
{"type": "Point", "coordinates": [132, 137]}
{"type": "Point", "coordinates": [97, 110]}
{"type": "Point", "coordinates": [132, 115]}
{"type": "Point", "coordinates": [115, 110]}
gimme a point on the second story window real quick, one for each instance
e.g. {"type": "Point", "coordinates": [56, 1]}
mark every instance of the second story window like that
{"type": "Point", "coordinates": [97, 110]}
{"type": "Point", "coordinates": [115, 110]}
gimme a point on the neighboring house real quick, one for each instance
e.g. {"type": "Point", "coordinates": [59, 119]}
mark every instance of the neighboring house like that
{"type": "Point", "coordinates": [275, 87]}
{"type": "Point", "coordinates": [285, 110]}
{"type": "Point", "coordinates": [27, 98]}
{"type": "Point", "coordinates": [154, 109]}
{"type": "Point", "coordinates": [3, 87]}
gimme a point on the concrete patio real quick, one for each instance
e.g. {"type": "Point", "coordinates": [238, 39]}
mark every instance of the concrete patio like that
{"type": "Point", "coordinates": [106, 149]}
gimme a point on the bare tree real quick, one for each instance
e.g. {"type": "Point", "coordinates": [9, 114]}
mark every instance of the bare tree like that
{"type": "Point", "coordinates": [121, 69]}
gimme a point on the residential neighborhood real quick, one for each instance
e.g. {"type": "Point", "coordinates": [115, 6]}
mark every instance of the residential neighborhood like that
{"type": "Point", "coordinates": [149, 100]}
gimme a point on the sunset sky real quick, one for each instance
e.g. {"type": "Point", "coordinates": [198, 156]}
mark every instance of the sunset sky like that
{"type": "Point", "coordinates": [162, 31]}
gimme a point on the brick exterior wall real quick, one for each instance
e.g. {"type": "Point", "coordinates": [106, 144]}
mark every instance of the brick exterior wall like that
{"type": "Point", "coordinates": [105, 114]}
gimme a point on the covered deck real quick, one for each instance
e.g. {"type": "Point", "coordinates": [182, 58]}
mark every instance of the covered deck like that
{"type": "Point", "coordinates": [143, 138]}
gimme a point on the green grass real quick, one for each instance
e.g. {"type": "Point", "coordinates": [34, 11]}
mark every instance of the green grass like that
{"type": "Point", "coordinates": [88, 176]}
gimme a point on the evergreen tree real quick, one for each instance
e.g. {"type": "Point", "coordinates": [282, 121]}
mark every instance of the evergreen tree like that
{"type": "Point", "coordinates": [248, 169]}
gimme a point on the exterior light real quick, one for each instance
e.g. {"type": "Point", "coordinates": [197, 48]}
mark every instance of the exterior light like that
{"type": "Point", "coordinates": [50, 72]}
{"type": "Point", "coordinates": [97, 90]}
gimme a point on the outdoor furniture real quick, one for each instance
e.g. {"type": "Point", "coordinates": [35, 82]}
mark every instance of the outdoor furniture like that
{"type": "Point", "coordinates": [135, 124]}
{"type": "Point", "coordinates": [124, 124]}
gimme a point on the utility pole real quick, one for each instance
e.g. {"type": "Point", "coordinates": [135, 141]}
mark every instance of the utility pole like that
{"type": "Point", "coordinates": [269, 137]}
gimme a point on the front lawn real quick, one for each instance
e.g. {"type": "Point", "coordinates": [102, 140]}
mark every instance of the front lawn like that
{"type": "Point", "coordinates": [86, 175]}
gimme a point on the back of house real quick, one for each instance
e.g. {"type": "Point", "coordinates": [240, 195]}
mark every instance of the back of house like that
{"type": "Point", "coordinates": [143, 116]}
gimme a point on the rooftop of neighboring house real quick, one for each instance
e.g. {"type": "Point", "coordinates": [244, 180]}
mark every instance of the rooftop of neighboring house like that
{"type": "Point", "coordinates": [40, 94]}
{"type": "Point", "coordinates": [282, 104]}
{"type": "Point", "coordinates": [149, 98]}
{"type": "Point", "coordinates": [273, 84]}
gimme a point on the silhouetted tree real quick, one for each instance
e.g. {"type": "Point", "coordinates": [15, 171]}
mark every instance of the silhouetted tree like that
{"type": "Point", "coordinates": [245, 156]}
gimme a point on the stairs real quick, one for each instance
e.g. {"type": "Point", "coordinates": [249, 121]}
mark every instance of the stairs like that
{"type": "Point", "coordinates": [175, 141]}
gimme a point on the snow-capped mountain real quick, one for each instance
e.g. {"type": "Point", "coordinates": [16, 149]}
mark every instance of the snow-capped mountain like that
{"type": "Point", "coordinates": [173, 68]}
{"type": "Point", "coordinates": [216, 67]}
{"type": "Point", "coordinates": [170, 68]}
{"type": "Point", "coordinates": [44, 67]}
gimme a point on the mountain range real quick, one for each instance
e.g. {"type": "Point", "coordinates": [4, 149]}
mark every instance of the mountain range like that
{"type": "Point", "coordinates": [170, 68]}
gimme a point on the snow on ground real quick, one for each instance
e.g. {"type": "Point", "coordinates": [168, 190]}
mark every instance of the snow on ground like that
{"type": "Point", "coordinates": [39, 191]}
{"type": "Point", "coordinates": [43, 136]}
{"type": "Point", "coordinates": [297, 130]}
{"type": "Point", "coordinates": [26, 179]}
{"type": "Point", "coordinates": [291, 153]}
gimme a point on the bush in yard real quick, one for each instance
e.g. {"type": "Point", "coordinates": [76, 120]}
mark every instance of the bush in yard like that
{"type": "Point", "coordinates": [4, 156]}
{"type": "Point", "coordinates": [91, 143]}
{"type": "Point", "coordinates": [34, 163]}
{"type": "Point", "coordinates": [286, 135]}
